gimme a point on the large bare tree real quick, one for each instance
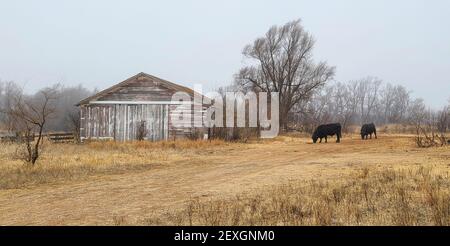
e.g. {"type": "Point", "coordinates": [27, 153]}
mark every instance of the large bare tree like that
{"type": "Point", "coordinates": [283, 62]}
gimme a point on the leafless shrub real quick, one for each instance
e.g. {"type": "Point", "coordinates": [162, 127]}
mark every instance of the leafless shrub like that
{"type": "Point", "coordinates": [425, 139]}
{"type": "Point", "coordinates": [427, 126]}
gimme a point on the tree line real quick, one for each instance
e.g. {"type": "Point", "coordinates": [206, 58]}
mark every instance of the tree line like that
{"type": "Point", "coordinates": [364, 101]}
{"type": "Point", "coordinates": [28, 116]}
{"type": "Point", "coordinates": [61, 101]}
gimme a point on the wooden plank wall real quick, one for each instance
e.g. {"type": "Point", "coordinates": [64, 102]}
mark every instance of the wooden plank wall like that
{"type": "Point", "coordinates": [121, 121]}
{"type": "Point", "coordinates": [177, 132]}
{"type": "Point", "coordinates": [97, 121]}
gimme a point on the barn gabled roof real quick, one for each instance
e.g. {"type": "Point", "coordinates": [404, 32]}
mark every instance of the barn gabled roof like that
{"type": "Point", "coordinates": [162, 82]}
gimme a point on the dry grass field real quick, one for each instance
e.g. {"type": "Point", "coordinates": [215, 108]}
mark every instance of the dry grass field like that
{"type": "Point", "coordinates": [285, 181]}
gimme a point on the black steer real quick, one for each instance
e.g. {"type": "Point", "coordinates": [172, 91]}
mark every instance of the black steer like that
{"type": "Point", "coordinates": [323, 131]}
{"type": "Point", "coordinates": [367, 130]}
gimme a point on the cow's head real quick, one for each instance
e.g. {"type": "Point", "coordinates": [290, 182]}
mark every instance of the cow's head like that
{"type": "Point", "coordinates": [363, 133]}
{"type": "Point", "coordinates": [315, 137]}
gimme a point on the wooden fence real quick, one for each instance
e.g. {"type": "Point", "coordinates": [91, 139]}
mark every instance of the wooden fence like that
{"type": "Point", "coordinates": [61, 137]}
{"type": "Point", "coordinates": [12, 138]}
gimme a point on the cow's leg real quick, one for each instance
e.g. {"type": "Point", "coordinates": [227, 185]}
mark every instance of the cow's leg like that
{"type": "Point", "coordinates": [338, 138]}
{"type": "Point", "coordinates": [326, 139]}
{"type": "Point", "coordinates": [371, 136]}
{"type": "Point", "coordinates": [320, 140]}
{"type": "Point", "coordinates": [375, 135]}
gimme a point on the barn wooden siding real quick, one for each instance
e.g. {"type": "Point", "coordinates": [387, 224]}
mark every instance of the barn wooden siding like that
{"type": "Point", "coordinates": [121, 121]}
{"type": "Point", "coordinates": [176, 132]}
{"type": "Point", "coordinates": [117, 112]}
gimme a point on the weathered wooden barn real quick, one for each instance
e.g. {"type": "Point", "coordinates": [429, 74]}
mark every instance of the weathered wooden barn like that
{"type": "Point", "coordinates": [142, 102]}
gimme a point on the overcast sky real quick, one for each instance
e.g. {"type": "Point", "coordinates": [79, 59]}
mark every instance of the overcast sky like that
{"type": "Point", "coordinates": [99, 43]}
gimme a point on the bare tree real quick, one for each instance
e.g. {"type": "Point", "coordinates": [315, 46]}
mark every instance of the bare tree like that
{"type": "Point", "coordinates": [387, 97]}
{"type": "Point", "coordinates": [318, 109]}
{"type": "Point", "coordinates": [67, 112]}
{"type": "Point", "coordinates": [443, 120]}
{"type": "Point", "coordinates": [73, 119]}
{"type": "Point", "coordinates": [346, 105]}
{"type": "Point", "coordinates": [8, 91]}
{"type": "Point", "coordinates": [284, 64]}
{"type": "Point", "coordinates": [417, 112]}
{"type": "Point", "coordinates": [366, 92]}
{"type": "Point", "coordinates": [401, 103]}
{"type": "Point", "coordinates": [30, 115]}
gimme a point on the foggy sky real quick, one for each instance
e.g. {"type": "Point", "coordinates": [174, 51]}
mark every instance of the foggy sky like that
{"type": "Point", "coordinates": [100, 43]}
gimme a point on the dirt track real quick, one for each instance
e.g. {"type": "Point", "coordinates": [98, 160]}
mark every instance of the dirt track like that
{"type": "Point", "coordinates": [133, 196]}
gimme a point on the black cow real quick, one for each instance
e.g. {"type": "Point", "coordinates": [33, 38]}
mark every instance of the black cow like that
{"type": "Point", "coordinates": [323, 131]}
{"type": "Point", "coordinates": [368, 130]}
